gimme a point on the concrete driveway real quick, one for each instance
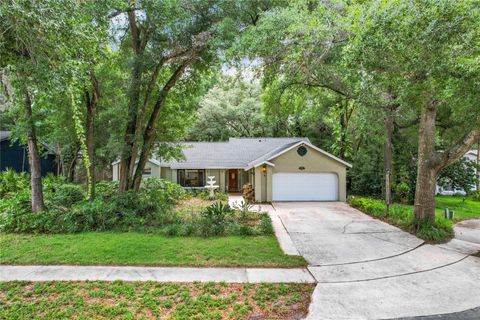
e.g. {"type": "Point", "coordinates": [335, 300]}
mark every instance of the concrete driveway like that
{"type": "Point", "coordinates": [367, 269]}
{"type": "Point", "coordinates": [329, 233]}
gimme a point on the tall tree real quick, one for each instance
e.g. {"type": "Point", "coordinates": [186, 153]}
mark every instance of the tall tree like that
{"type": "Point", "coordinates": [92, 97]}
{"type": "Point", "coordinates": [427, 51]}
{"type": "Point", "coordinates": [43, 46]}
{"type": "Point", "coordinates": [170, 42]}
{"type": "Point", "coordinates": [26, 38]}
{"type": "Point", "coordinates": [33, 157]}
{"type": "Point", "coordinates": [298, 49]}
{"type": "Point", "coordinates": [232, 108]}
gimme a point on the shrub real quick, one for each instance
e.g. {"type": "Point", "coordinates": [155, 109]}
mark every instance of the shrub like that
{"type": "Point", "coordinates": [244, 208]}
{"type": "Point", "coordinates": [69, 211]}
{"type": "Point", "coordinates": [248, 193]}
{"type": "Point", "coordinates": [106, 189]}
{"type": "Point", "coordinates": [16, 216]}
{"type": "Point", "coordinates": [149, 209]}
{"type": "Point", "coordinates": [165, 191]}
{"type": "Point", "coordinates": [433, 231]}
{"type": "Point", "coordinates": [402, 216]}
{"type": "Point", "coordinates": [245, 230]}
{"type": "Point", "coordinates": [88, 216]}
{"type": "Point", "coordinates": [51, 183]}
{"type": "Point", "coordinates": [12, 182]}
{"type": "Point", "coordinates": [402, 192]}
{"type": "Point", "coordinates": [13, 212]}
{"type": "Point", "coordinates": [476, 196]}
{"type": "Point", "coordinates": [370, 206]}
{"type": "Point", "coordinates": [68, 194]}
{"type": "Point", "coordinates": [214, 219]}
{"type": "Point", "coordinates": [265, 227]}
{"type": "Point", "coordinates": [205, 194]}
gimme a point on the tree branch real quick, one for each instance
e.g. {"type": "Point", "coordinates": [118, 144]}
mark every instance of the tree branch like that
{"type": "Point", "coordinates": [457, 150]}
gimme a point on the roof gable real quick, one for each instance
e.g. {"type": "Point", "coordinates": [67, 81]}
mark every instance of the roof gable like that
{"type": "Point", "coordinates": [276, 153]}
{"type": "Point", "coordinates": [6, 135]}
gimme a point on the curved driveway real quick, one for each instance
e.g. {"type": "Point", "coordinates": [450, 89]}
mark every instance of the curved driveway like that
{"type": "Point", "coordinates": [367, 269]}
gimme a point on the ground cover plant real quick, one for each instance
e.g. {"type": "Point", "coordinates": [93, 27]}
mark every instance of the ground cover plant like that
{"type": "Point", "coordinates": [147, 249]}
{"type": "Point", "coordinates": [158, 225]}
{"type": "Point", "coordinates": [152, 300]}
{"type": "Point", "coordinates": [159, 206]}
{"type": "Point", "coordinates": [441, 230]}
{"type": "Point", "coordinates": [205, 194]}
{"type": "Point", "coordinates": [68, 210]}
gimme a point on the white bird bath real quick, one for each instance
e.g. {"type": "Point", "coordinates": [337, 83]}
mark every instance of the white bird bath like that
{"type": "Point", "coordinates": [211, 186]}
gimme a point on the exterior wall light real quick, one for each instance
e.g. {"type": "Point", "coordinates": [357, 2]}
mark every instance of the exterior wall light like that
{"type": "Point", "coordinates": [264, 168]}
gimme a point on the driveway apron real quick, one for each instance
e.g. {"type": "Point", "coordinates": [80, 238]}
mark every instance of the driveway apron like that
{"type": "Point", "coordinates": [368, 269]}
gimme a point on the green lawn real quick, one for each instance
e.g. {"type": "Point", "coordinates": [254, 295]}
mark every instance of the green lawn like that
{"type": "Point", "coordinates": [132, 248]}
{"type": "Point", "coordinates": [152, 300]}
{"type": "Point", "coordinates": [464, 208]}
{"type": "Point", "coordinates": [401, 215]}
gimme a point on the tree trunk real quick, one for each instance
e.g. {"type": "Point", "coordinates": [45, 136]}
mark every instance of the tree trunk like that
{"type": "Point", "coordinates": [388, 150]}
{"type": "Point", "coordinates": [343, 130]}
{"type": "Point", "coordinates": [128, 156]}
{"type": "Point", "coordinates": [92, 107]}
{"type": "Point", "coordinates": [478, 166]}
{"type": "Point", "coordinates": [72, 162]}
{"type": "Point", "coordinates": [426, 171]}
{"type": "Point", "coordinates": [390, 110]}
{"type": "Point", "coordinates": [430, 162]}
{"type": "Point", "coordinates": [129, 152]}
{"type": "Point", "coordinates": [71, 170]}
{"type": "Point", "coordinates": [150, 130]}
{"type": "Point", "coordinates": [33, 159]}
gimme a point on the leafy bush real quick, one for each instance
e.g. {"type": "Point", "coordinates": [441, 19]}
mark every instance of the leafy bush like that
{"type": "Point", "coordinates": [165, 191]}
{"type": "Point", "coordinates": [106, 189]}
{"type": "Point", "coordinates": [244, 230]}
{"type": "Point", "coordinates": [402, 192]}
{"type": "Point", "coordinates": [68, 194]}
{"type": "Point", "coordinates": [265, 227]}
{"type": "Point", "coordinates": [69, 211]}
{"type": "Point", "coordinates": [205, 194]}
{"type": "Point", "coordinates": [476, 196]}
{"type": "Point", "coordinates": [51, 183]}
{"type": "Point", "coordinates": [88, 215]}
{"type": "Point", "coordinates": [244, 208]}
{"type": "Point", "coordinates": [434, 231]}
{"type": "Point", "coordinates": [370, 206]}
{"type": "Point", "coordinates": [12, 182]}
{"type": "Point", "coordinates": [213, 219]}
{"type": "Point", "coordinates": [149, 209]}
{"type": "Point", "coordinates": [439, 230]}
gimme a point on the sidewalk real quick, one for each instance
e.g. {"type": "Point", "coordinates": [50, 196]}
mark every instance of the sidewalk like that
{"type": "Point", "coordinates": [160, 274]}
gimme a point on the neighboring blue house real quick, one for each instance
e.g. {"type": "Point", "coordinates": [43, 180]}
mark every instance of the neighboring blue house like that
{"type": "Point", "coordinates": [15, 156]}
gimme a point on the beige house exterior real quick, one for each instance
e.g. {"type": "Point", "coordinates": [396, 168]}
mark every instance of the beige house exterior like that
{"type": "Point", "coordinates": [279, 169]}
{"type": "Point", "coordinates": [312, 162]}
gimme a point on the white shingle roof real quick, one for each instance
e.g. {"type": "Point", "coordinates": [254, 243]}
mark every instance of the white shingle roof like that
{"type": "Point", "coordinates": [235, 153]}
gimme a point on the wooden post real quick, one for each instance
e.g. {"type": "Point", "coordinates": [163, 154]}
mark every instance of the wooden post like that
{"type": "Point", "coordinates": [388, 195]}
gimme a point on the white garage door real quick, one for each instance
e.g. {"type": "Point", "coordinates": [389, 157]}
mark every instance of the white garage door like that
{"type": "Point", "coordinates": [304, 187]}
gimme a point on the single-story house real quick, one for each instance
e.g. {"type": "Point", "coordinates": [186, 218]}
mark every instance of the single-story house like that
{"type": "Point", "coordinates": [279, 169]}
{"type": "Point", "coordinates": [14, 155]}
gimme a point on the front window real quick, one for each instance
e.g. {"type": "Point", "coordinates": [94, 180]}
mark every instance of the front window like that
{"type": "Point", "coordinates": [191, 178]}
{"type": "Point", "coordinates": [147, 171]}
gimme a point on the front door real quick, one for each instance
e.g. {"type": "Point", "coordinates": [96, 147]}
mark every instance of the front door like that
{"type": "Point", "coordinates": [233, 179]}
